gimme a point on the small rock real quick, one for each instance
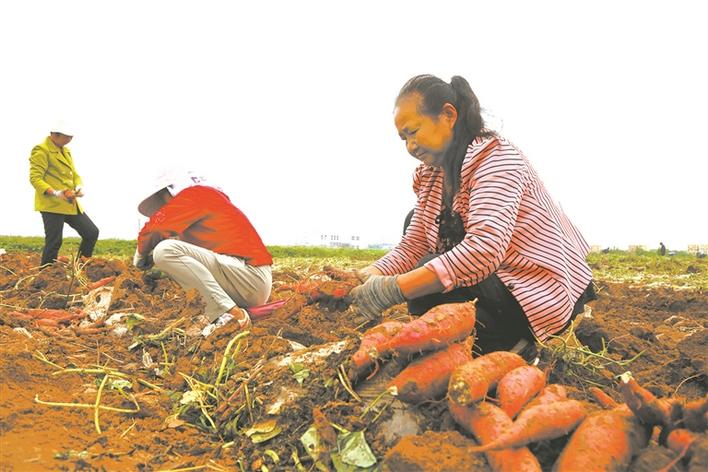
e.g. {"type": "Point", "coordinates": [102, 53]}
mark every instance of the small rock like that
{"type": "Point", "coordinates": [672, 320]}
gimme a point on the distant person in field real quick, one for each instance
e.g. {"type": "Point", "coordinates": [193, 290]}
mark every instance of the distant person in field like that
{"type": "Point", "coordinates": [197, 236]}
{"type": "Point", "coordinates": [58, 188]}
{"type": "Point", "coordinates": [483, 227]}
{"type": "Point", "coordinates": [662, 249]}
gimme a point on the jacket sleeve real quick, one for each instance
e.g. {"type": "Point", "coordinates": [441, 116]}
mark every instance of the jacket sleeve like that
{"type": "Point", "coordinates": [78, 182]}
{"type": "Point", "coordinates": [39, 162]}
{"type": "Point", "coordinates": [495, 198]}
{"type": "Point", "coordinates": [170, 221]}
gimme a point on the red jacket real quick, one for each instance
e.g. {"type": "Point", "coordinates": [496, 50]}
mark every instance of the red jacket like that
{"type": "Point", "coordinates": [205, 217]}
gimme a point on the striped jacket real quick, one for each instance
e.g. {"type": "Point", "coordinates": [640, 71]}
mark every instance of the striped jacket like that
{"type": "Point", "coordinates": [512, 228]}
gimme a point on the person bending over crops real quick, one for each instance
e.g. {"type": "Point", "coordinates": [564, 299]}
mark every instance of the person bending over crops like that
{"type": "Point", "coordinates": [201, 240]}
{"type": "Point", "coordinates": [483, 227]}
{"type": "Point", "coordinates": [57, 190]}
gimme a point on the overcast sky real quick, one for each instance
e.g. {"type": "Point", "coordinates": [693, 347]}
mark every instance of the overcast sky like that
{"type": "Point", "coordinates": [289, 105]}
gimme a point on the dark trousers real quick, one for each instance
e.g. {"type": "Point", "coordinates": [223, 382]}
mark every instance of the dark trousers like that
{"type": "Point", "coordinates": [54, 229]}
{"type": "Point", "coordinates": [501, 321]}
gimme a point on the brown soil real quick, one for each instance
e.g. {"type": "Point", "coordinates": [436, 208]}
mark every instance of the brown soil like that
{"type": "Point", "coordinates": [261, 386]}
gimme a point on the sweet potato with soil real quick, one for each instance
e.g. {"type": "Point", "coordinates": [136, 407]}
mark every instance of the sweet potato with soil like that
{"type": "Point", "coordinates": [649, 409]}
{"type": "Point", "coordinates": [370, 348]}
{"type": "Point", "coordinates": [486, 422]}
{"type": "Point", "coordinates": [518, 387]}
{"type": "Point", "coordinates": [549, 394]}
{"type": "Point", "coordinates": [538, 424]}
{"type": "Point", "coordinates": [606, 441]}
{"type": "Point", "coordinates": [436, 329]}
{"type": "Point", "coordinates": [427, 378]}
{"type": "Point", "coordinates": [471, 381]}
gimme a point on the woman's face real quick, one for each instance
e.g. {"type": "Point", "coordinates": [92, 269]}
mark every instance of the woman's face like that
{"type": "Point", "coordinates": [427, 137]}
{"type": "Point", "coordinates": [60, 139]}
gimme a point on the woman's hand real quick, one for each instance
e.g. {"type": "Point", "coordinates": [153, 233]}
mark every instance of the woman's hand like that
{"type": "Point", "coordinates": [378, 293]}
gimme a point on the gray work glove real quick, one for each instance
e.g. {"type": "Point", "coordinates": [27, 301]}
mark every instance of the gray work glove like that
{"type": "Point", "coordinates": [378, 293]}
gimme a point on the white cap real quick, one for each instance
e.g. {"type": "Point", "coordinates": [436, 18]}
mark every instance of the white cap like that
{"type": "Point", "coordinates": [62, 126]}
{"type": "Point", "coordinates": [174, 181]}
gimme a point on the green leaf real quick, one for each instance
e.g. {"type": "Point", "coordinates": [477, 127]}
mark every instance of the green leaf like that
{"type": "Point", "coordinates": [354, 450]}
{"type": "Point", "coordinates": [311, 441]}
{"type": "Point", "coordinates": [299, 372]}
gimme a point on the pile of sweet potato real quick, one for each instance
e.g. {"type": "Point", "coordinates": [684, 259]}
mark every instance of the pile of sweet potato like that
{"type": "Point", "coordinates": [442, 335]}
{"type": "Point", "coordinates": [507, 405]}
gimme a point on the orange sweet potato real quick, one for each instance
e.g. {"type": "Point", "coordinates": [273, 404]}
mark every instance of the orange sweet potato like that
{"type": "Point", "coordinates": [550, 394]}
{"type": "Point", "coordinates": [436, 329]}
{"type": "Point", "coordinates": [427, 377]}
{"type": "Point", "coordinates": [518, 387]}
{"type": "Point", "coordinates": [648, 408]}
{"type": "Point", "coordinates": [471, 381]}
{"type": "Point", "coordinates": [538, 424]}
{"type": "Point", "coordinates": [370, 348]}
{"type": "Point", "coordinates": [486, 422]}
{"type": "Point", "coordinates": [602, 398]}
{"type": "Point", "coordinates": [606, 440]}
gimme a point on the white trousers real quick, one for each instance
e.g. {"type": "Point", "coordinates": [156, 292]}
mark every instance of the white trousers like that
{"type": "Point", "coordinates": [223, 281]}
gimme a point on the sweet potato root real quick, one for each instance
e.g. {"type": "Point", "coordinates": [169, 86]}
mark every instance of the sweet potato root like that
{"type": "Point", "coordinates": [427, 377]}
{"type": "Point", "coordinates": [538, 424]}
{"type": "Point", "coordinates": [606, 440]}
{"type": "Point", "coordinates": [370, 348]}
{"type": "Point", "coordinates": [603, 399]}
{"type": "Point", "coordinates": [549, 394]}
{"type": "Point", "coordinates": [436, 329]}
{"type": "Point", "coordinates": [649, 409]}
{"type": "Point", "coordinates": [471, 381]}
{"type": "Point", "coordinates": [486, 421]}
{"type": "Point", "coordinates": [518, 387]}
{"type": "Point", "coordinates": [100, 283]}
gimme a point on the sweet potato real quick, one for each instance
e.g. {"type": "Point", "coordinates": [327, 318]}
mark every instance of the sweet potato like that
{"type": "Point", "coordinates": [471, 381]}
{"type": "Point", "coordinates": [486, 421]}
{"type": "Point", "coordinates": [649, 409]}
{"type": "Point", "coordinates": [603, 399]}
{"type": "Point", "coordinates": [370, 348]}
{"type": "Point", "coordinates": [518, 387]}
{"type": "Point", "coordinates": [606, 440]}
{"type": "Point", "coordinates": [100, 283]}
{"type": "Point", "coordinates": [549, 394]}
{"type": "Point", "coordinates": [680, 440]}
{"type": "Point", "coordinates": [427, 377]}
{"type": "Point", "coordinates": [538, 424]}
{"type": "Point", "coordinates": [436, 329]}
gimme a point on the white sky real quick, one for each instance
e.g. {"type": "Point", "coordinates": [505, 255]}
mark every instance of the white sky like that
{"type": "Point", "coordinates": [288, 104]}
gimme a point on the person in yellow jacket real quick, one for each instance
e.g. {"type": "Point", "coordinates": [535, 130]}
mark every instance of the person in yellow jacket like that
{"type": "Point", "coordinates": [57, 190]}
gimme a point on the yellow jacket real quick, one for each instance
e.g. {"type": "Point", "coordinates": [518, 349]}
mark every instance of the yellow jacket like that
{"type": "Point", "coordinates": [52, 168]}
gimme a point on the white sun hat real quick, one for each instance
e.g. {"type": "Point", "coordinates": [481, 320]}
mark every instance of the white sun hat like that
{"type": "Point", "coordinates": [62, 126]}
{"type": "Point", "coordinates": [174, 180]}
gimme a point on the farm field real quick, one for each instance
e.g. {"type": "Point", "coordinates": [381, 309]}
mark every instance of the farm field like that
{"type": "Point", "coordinates": [83, 394]}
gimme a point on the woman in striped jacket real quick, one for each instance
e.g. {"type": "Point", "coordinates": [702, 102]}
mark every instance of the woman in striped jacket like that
{"type": "Point", "coordinates": [483, 227]}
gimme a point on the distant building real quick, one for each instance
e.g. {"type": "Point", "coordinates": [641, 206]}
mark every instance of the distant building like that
{"type": "Point", "coordinates": [340, 240]}
{"type": "Point", "coordinates": [696, 249]}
